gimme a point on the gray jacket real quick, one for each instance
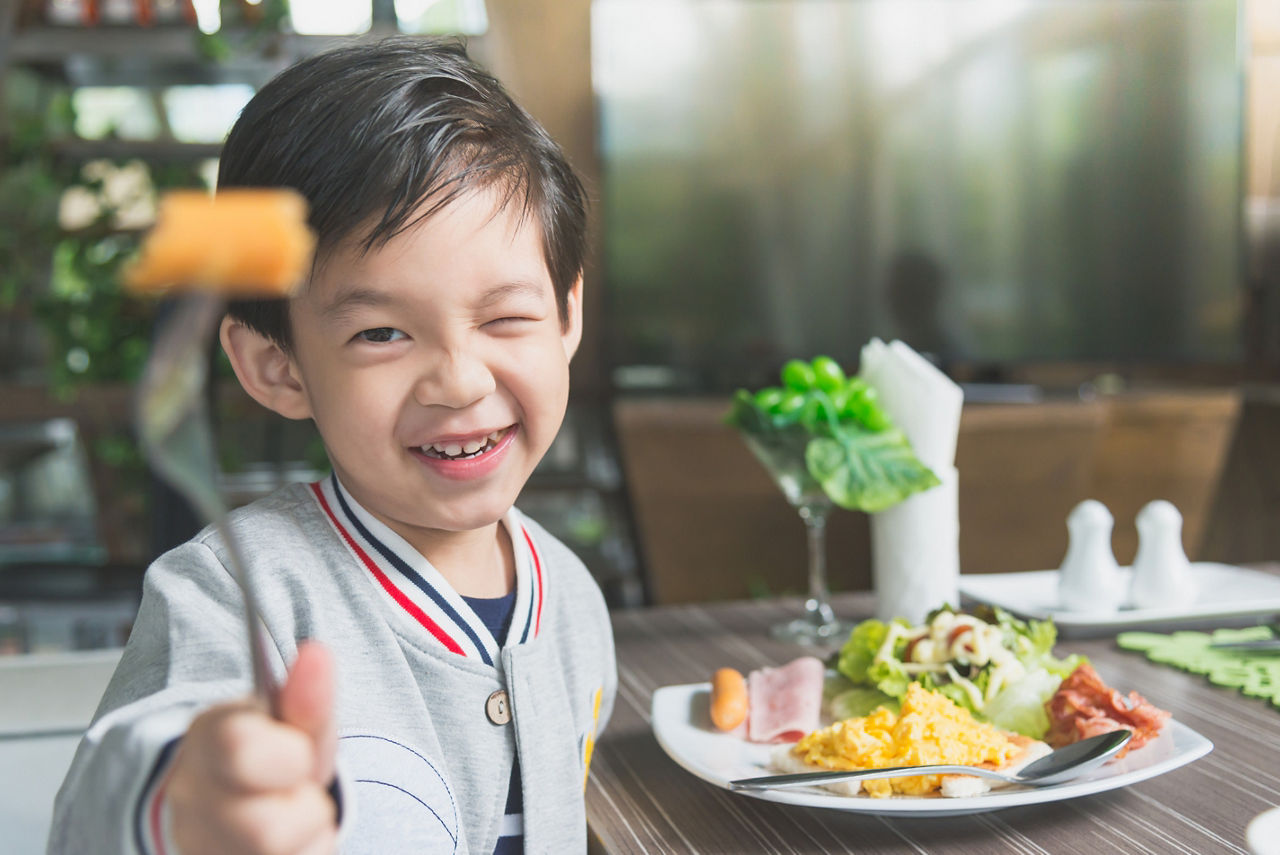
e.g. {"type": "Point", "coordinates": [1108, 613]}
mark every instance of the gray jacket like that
{"type": "Point", "coordinates": [424, 767]}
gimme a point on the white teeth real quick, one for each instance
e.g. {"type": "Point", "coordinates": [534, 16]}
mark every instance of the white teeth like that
{"type": "Point", "coordinates": [470, 448]}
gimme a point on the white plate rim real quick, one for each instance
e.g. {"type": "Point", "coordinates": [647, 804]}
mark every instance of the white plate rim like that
{"type": "Point", "coordinates": [975, 586]}
{"type": "Point", "coordinates": [1188, 745]}
{"type": "Point", "coordinates": [1262, 831]}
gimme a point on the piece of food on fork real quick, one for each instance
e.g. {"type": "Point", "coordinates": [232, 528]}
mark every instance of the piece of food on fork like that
{"type": "Point", "coordinates": [240, 242]}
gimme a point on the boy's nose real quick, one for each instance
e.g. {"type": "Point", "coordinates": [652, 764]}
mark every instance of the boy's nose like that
{"type": "Point", "coordinates": [455, 380]}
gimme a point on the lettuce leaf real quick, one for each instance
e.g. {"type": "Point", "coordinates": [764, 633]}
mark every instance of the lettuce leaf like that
{"type": "Point", "coordinates": [890, 677]}
{"type": "Point", "coordinates": [859, 702]}
{"type": "Point", "coordinates": [860, 649]}
{"type": "Point", "coordinates": [867, 470]}
{"type": "Point", "coordinates": [1020, 706]}
{"type": "Point", "coordinates": [1032, 642]}
{"type": "Point", "coordinates": [957, 694]}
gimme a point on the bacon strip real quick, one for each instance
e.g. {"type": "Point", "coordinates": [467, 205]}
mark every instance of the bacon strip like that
{"type": "Point", "coordinates": [1084, 706]}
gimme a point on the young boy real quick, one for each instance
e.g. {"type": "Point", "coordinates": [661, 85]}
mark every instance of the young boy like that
{"type": "Point", "coordinates": [464, 662]}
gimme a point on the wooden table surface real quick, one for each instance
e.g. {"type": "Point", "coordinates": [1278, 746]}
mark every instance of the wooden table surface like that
{"type": "Point", "coordinates": [640, 801]}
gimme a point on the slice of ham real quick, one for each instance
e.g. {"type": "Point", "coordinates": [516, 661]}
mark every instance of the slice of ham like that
{"type": "Point", "coordinates": [1085, 706]}
{"type": "Point", "coordinates": [784, 702]}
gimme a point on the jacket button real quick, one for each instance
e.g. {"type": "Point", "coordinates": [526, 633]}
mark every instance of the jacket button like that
{"type": "Point", "coordinates": [498, 707]}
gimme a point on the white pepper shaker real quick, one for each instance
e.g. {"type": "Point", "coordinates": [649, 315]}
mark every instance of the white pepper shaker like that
{"type": "Point", "coordinates": [1089, 579]}
{"type": "Point", "coordinates": [1161, 571]}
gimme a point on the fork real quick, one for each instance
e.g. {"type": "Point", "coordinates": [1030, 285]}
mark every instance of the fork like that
{"type": "Point", "coordinates": [173, 423]}
{"type": "Point", "coordinates": [1267, 645]}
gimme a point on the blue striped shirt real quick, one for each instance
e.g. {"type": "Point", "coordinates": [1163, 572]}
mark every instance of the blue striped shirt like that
{"type": "Point", "coordinates": [496, 613]}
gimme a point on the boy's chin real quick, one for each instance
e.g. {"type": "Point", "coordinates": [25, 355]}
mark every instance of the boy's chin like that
{"type": "Point", "coordinates": [461, 520]}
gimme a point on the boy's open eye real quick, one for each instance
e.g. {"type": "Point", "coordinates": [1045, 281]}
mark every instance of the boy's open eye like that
{"type": "Point", "coordinates": [380, 335]}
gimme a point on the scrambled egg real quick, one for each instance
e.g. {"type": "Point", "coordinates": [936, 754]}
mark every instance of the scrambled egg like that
{"type": "Point", "coordinates": [930, 729]}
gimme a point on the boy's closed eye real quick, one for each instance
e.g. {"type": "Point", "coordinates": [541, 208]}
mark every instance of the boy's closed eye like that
{"type": "Point", "coordinates": [509, 320]}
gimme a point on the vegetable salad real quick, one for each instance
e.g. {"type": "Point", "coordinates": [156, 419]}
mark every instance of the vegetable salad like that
{"type": "Point", "coordinates": [999, 668]}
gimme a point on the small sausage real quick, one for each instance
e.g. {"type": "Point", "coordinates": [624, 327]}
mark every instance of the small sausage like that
{"type": "Point", "coordinates": [728, 699]}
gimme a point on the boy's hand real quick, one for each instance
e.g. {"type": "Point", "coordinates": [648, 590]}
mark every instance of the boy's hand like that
{"type": "Point", "coordinates": [245, 782]}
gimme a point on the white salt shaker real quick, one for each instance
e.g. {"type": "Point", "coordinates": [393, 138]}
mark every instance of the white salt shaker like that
{"type": "Point", "coordinates": [1089, 579]}
{"type": "Point", "coordinates": [1161, 572]}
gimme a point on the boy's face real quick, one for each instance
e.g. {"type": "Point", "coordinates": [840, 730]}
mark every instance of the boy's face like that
{"type": "Point", "coordinates": [436, 366]}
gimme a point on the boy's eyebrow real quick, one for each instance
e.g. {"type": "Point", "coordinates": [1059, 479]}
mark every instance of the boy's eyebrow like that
{"type": "Point", "coordinates": [518, 288]}
{"type": "Point", "coordinates": [348, 298]}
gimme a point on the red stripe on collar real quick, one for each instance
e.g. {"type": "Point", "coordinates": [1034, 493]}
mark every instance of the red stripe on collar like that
{"type": "Point", "coordinates": [396, 594]}
{"type": "Point", "coordinates": [537, 565]}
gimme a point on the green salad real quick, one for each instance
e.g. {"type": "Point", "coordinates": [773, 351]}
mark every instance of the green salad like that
{"type": "Point", "coordinates": [835, 425]}
{"type": "Point", "coordinates": [998, 667]}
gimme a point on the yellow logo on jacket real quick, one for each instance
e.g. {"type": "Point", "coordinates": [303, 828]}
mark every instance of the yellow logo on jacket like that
{"type": "Point", "coordinates": [590, 744]}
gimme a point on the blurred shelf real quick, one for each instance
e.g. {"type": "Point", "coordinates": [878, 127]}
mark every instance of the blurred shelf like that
{"type": "Point", "coordinates": [48, 44]}
{"type": "Point", "coordinates": [138, 56]}
{"type": "Point", "coordinates": [54, 553]}
{"type": "Point", "coordinates": [153, 151]}
{"type": "Point", "coordinates": [103, 403]}
{"type": "Point", "coordinates": [70, 582]}
{"type": "Point", "coordinates": [175, 44]}
{"type": "Point", "coordinates": [108, 403]}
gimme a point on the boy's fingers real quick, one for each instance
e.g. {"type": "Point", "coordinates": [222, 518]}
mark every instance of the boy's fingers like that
{"type": "Point", "coordinates": [247, 751]}
{"type": "Point", "coordinates": [306, 702]}
{"type": "Point", "coordinates": [285, 822]}
{"type": "Point", "coordinates": [325, 844]}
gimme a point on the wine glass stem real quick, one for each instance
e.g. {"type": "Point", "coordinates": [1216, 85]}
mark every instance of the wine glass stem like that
{"type": "Point", "coordinates": [815, 523]}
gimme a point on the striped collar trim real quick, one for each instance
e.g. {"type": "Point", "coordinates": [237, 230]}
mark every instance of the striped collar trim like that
{"type": "Point", "coordinates": [410, 585]}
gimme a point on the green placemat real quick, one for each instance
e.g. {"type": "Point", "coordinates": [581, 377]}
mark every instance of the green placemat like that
{"type": "Point", "coordinates": [1255, 673]}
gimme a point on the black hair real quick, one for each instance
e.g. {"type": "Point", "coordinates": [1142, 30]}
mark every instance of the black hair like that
{"type": "Point", "coordinates": [369, 133]}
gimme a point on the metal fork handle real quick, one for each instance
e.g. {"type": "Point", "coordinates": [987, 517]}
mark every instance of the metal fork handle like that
{"type": "Point", "coordinates": [264, 688]}
{"type": "Point", "coordinates": [174, 427]}
{"type": "Point", "coordinates": [801, 779]}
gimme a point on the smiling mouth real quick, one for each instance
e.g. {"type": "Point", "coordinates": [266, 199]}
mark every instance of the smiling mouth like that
{"type": "Point", "coordinates": [468, 450]}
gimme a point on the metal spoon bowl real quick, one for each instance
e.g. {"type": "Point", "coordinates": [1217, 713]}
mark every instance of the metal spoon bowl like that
{"type": "Point", "coordinates": [1068, 762]}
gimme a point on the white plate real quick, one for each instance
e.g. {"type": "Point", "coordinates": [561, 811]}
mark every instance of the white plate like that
{"type": "Point", "coordinates": [1263, 833]}
{"type": "Point", "coordinates": [682, 724]}
{"type": "Point", "coordinates": [1225, 593]}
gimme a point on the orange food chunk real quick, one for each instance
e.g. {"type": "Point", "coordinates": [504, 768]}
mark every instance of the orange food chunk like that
{"type": "Point", "coordinates": [241, 242]}
{"type": "Point", "coordinates": [728, 699]}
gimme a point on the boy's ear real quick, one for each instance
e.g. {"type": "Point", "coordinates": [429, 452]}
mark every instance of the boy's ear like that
{"type": "Point", "coordinates": [572, 334]}
{"type": "Point", "coordinates": [264, 370]}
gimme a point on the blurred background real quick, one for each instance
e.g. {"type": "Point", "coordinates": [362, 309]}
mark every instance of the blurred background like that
{"type": "Point", "coordinates": [1072, 208]}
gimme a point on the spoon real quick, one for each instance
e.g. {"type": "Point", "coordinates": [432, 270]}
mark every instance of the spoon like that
{"type": "Point", "coordinates": [1060, 765]}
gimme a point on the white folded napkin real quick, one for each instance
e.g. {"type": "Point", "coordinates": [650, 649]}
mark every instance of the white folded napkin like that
{"type": "Point", "coordinates": [920, 399]}
{"type": "Point", "coordinates": [915, 552]}
{"type": "Point", "coordinates": [915, 545]}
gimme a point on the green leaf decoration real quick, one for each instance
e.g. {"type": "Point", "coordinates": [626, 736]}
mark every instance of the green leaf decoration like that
{"type": "Point", "coordinates": [829, 431]}
{"type": "Point", "coordinates": [867, 471]}
{"type": "Point", "coordinates": [1253, 673]}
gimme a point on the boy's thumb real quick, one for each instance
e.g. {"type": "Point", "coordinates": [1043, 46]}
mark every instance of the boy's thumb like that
{"type": "Point", "coordinates": [306, 702]}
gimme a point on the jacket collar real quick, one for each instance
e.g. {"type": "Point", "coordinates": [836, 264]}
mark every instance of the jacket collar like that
{"type": "Point", "coordinates": [409, 585]}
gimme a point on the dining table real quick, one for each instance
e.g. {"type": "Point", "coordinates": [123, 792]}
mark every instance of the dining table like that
{"type": "Point", "coordinates": [640, 800]}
